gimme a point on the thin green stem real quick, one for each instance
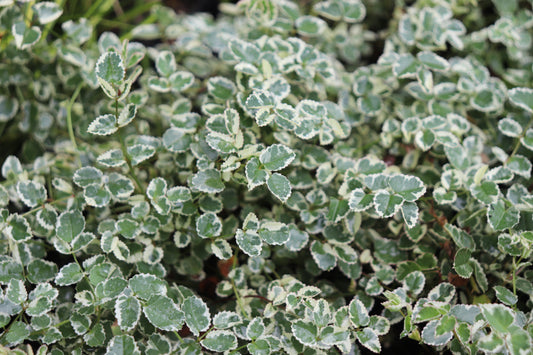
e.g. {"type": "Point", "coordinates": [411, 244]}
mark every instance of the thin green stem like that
{"type": "Point", "coordinates": [239, 299]}
{"type": "Point", "coordinates": [150, 19]}
{"type": "Point", "coordinates": [69, 118]}
{"type": "Point", "coordinates": [205, 334]}
{"type": "Point", "coordinates": [179, 337]}
{"type": "Point", "coordinates": [52, 326]}
{"type": "Point", "coordinates": [114, 23]}
{"type": "Point", "coordinates": [102, 6]}
{"type": "Point", "coordinates": [43, 206]}
{"type": "Point", "coordinates": [130, 15]}
{"type": "Point", "coordinates": [514, 275]}
{"type": "Point", "coordinates": [50, 25]}
{"type": "Point", "coordinates": [126, 156]}
{"type": "Point", "coordinates": [519, 139]}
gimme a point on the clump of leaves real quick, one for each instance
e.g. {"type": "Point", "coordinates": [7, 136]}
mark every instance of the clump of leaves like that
{"type": "Point", "coordinates": [256, 184]}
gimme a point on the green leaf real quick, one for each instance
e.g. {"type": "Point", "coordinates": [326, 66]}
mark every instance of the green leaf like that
{"type": "Point", "coordinates": [249, 242]}
{"type": "Point", "coordinates": [520, 341]}
{"type": "Point", "coordinates": [163, 313]}
{"type": "Point", "coordinates": [86, 176]}
{"type": "Point", "coordinates": [510, 127]}
{"type": "Point", "coordinates": [460, 237]}
{"type": "Point", "coordinates": [305, 332]}
{"type": "Point", "coordinates": [255, 173]}
{"type": "Point", "coordinates": [18, 332]}
{"type": "Point", "coordinates": [127, 311]}
{"type": "Point", "coordinates": [406, 66]}
{"type": "Point", "coordinates": [157, 188]}
{"type": "Point", "coordinates": [522, 97]}
{"type": "Point", "coordinates": [443, 292]}
{"type": "Point", "coordinates": [358, 313]}
{"type": "Point", "coordinates": [80, 323]}
{"type": "Point", "coordinates": [197, 314]}
{"type": "Point", "coordinates": [255, 328]}
{"type": "Point", "coordinates": [410, 214]}
{"type": "Point", "coordinates": [324, 255]}
{"type": "Point", "coordinates": [502, 215]}
{"type": "Point", "coordinates": [505, 295]}
{"type": "Point", "coordinates": [47, 11]}
{"type": "Point", "coordinates": [122, 345]}
{"type": "Point", "coordinates": [16, 291]}
{"type": "Point", "coordinates": [69, 274]}
{"type": "Point", "coordinates": [330, 9]}
{"type": "Point", "coordinates": [159, 84]}
{"type": "Point", "coordinates": [181, 81]}
{"type": "Point", "coordinates": [431, 337]}
{"type": "Point", "coordinates": [354, 11]}
{"type": "Point", "coordinates": [127, 115]}
{"type": "Point", "coordinates": [499, 317]}
{"type": "Point", "coordinates": [433, 61]}
{"type": "Point", "coordinates": [31, 193]}
{"type": "Point", "coordinates": [310, 26]}
{"type": "Point", "coordinates": [259, 347]}
{"type": "Point", "coordinates": [110, 68]}
{"type": "Point", "coordinates": [8, 108]}
{"type": "Point", "coordinates": [519, 165]}
{"type": "Point", "coordinates": [222, 249]}
{"type": "Point", "coordinates": [139, 153]}
{"type": "Point", "coordinates": [369, 339]}
{"type": "Point", "coordinates": [276, 157]}
{"type": "Point", "coordinates": [345, 253]}
{"type": "Point", "coordinates": [96, 195]}
{"type": "Point", "coordinates": [221, 88]}
{"type": "Point", "coordinates": [410, 188]}
{"type": "Point", "coordinates": [128, 228]}
{"type": "Point", "coordinates": [414, 282]}
{"type": "Point", "coordinates": [491, 343]}
{"type": "Point", "coordinates": [220, 341]}
{"type": "Point", "coordinates": [25, 37]}
{"type": "Point", "coordinates": [176, 140]}
{"type": "Point", "coordinates": [69, 225]}
{"type": "Point", "coordinates": [487, 192]}
{"type": "Point", "coordinates": [103, 125]}
{"type": "Point", "coordinates": [208, 225]}
{"type": "Point", "coordinates": [274, 233]}
{"type": "Point", "coordinates": [280, 186]}
{"type": "Point", "coordinates": [244, 51]}
{"type": "Point", "coordinates": [226, 319]}
{"type": "Point", "coordinates": [18, 229]}
{"type": "Point", "coordinates": [527, 139]}
{"type": "Point", "coordinates": [461, 263]}
{"type": "Point", "coordinates": [144, 286]}
{"type": "Point", "coordinates": [178, 194]}
{"type": "Point", "coordinates": [208, 180]}
{"type": "Point", "coordinates": [119, 186]}
{"type": "Point", "coordinates": [41, 271]}
{"type": "Point", "coordinates": [9, 269]}
{"type": "Point", "coordinates": [96, 336]}
{"type": "Point", "coordinates": [260, 104]}
{"type": "Point", "coordinates": [387, 205]}
{"type": "Point", "coordinates": [360, 201]}
{"type": "Point", "coordinates": [112, 158]}
{"type": "Point", "coordinates": [165, 63]}
{"type": "Point", "coordinates": [39, 306]}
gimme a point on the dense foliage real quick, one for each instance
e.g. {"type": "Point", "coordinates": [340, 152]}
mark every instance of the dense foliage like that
{"type": "Point", "coordinates": [313, 179]}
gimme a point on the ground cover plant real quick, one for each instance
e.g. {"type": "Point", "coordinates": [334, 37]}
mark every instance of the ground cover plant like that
{"type": "Point", "coordinates": [322, 177]}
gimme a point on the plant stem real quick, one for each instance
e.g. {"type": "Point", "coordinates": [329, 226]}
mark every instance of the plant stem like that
{"type": "Point", "coordinates": [69, 119]}
{"type": "Point", "coordinates": [518, 140]}
{"type": "Point", "coordinates": [126, 156]}
{"type": "Point", "coordinates": [179, 337]}
{"type": "Point", "coordinates": [204, 335]}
